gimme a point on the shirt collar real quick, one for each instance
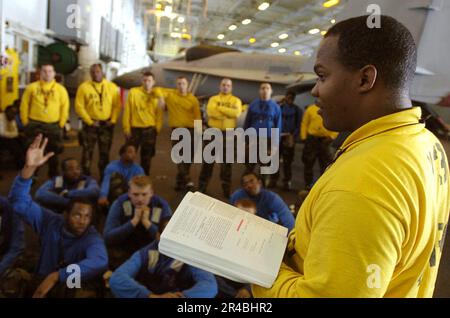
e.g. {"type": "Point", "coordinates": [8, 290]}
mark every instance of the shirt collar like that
{"type": "Point", "coordinates": [408, 117]}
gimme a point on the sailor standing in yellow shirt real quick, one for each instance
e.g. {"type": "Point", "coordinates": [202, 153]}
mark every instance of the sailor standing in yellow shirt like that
{"type": "Point", "coordinates": [98, 104]}
{"type": "Point", "coordinates": [183, 109]}
{"type": "Point", "coordinates": [223, 110]}
{"type": "Point", "coordinates": [143, 119]}
{"type": "Point", "coordinates": [45, 110]}
{"type": "Point", "coordinates": [317, 141]}
{"type": "Point", "coordinates": [374, 224]}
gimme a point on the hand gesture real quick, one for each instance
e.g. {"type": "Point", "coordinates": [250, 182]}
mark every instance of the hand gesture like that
{"type": "Point", "coordinates": [145, 219]}
{"type": "Point", "coordinates": [138, 212]}
{"type": "Point", "coordinates": [35, 156]}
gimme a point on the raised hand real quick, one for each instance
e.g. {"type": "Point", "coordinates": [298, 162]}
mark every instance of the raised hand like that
{"type": "Point", "coordinates": [36, 156]}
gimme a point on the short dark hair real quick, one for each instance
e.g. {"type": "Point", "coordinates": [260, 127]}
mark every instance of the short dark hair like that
{"type": "Point", "coordinates": [390, 48]}
{"type": "Point", "coordinates": [290, 93]}
{"type": "Point", "coordinates": [148, 74]}
{"type": "Point", "coordinates": [182, 77]}
{"type": "Point", "coordinates": [65, 161]}
{"type": "Point", "coordinates": [96, 65]}
{"type": "Point", "coordinates": [84, 201]}
{"type": "Point", "coordinates": [124, 148]}
{"type": "Point", "coordinates": [46, 64]}
{"type": "Point", "coordinates": [245, 174]}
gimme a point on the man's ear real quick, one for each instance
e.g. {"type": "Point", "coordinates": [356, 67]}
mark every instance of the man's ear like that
{"type": "Point", "coordinates": [368, 76]}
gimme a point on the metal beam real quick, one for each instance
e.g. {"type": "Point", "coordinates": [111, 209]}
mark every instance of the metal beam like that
{"type": "Point", "coordinates": [2, 28]}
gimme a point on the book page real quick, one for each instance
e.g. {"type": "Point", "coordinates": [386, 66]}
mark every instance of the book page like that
{"type": "Point", "coordinates": [227, 234]}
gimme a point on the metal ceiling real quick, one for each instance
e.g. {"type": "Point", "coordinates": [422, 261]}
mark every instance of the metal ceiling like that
{"type": "Point", "coordinates": [204, 20]}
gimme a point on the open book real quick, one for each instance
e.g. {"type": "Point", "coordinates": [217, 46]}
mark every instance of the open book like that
{"type": "Point", "coordinates": [224, 240]}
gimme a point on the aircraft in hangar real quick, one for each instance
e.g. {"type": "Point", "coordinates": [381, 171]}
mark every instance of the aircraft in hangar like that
{"type": "Point", "coordinates": [205, 66]}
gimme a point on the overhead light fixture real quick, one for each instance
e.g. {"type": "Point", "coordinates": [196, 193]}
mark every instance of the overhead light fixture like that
{"type": "Point", "coordinates": [246, 21]}
{"type": "Point", "coordinates": [229, 42]}
{"type": "Point", "coordinates": [232, 27]}
{"type": "Point", "coordinates": [184, 30]}
{"type": "Point", "coordinates": [298, 53]}
{"type": "Point", "coordinates": [252, 40]}
{"type": "Point", "coordinates": [333, 21]}
{"type": "Point", "coordinates": [330, 3]}
{"type": "Point", "coordinates": [175, 35]}
{"type": "Point", "coordinates": [313, 31]}
{"type": "Point", "coordinates": [221, 36]}
{"type": "Point", "coordinates": [282, 50]}
{"type": "Point", "coordinates": [176, 29]}
{"type": "Point", "coordinates": [283, 36]}
{"type": "Point", "coordinates": [180, 19]}
{"type": "Point", "coordinates": [264, 6]}
{"type": "Point", "coordinates": [275, 44]}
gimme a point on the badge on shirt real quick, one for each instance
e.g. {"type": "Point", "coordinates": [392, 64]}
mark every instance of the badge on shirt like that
{"type": "Point", "coordinates": [153, 257]}
{"type": "Point", "coordinates": [176, 265]}
{"type": "Point", "coordinates": [81, 185]}
{"type": "Point", "coordinates": [59, 182]}
{"type": "Point", "coordinates": [156, 215]}
{"type": "Point", "coordinates": [127, 209]}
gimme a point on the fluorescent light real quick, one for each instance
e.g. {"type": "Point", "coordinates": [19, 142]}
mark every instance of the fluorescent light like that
{"type": "Point", "coordinates": [313, 31]}
{"type": "Point", "coordinates": [246, 21]}
{"type": "Point", "coordinates": [275, 44]}
{"type": "Point", "coordinates": [180, 19]}
{"type": "Point", "coordinates": [283, 36]}
{"type": "Point", "coordinates": [264, 6]}
{"type": "Point", "coordinates": [298, 53]}
{"type": "Point", "coordinates": [282, 50]}
{"type": "Point", "coordinates": [331, 3]}
{"type": "Point", "coordinates": [221, 36]}
{"type": "Point", "coordinates": [333, 21]}
{"type": "Point", "coordinates": [175, 35]}
{"type": "Point", "coordinates": [232, 27]}
{"type": "Point", "coordinates": [252, 40]}
{"type": "Point", "coordinates": [229, 42]}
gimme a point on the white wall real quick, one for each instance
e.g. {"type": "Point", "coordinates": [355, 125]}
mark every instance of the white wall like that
{"type": "Point", "coordinates": [122, 18]}
{"type": "Point", "coordinates": [30, 13]}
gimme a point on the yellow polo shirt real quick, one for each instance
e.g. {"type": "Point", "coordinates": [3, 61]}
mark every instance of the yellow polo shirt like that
{"type": "Point", "coordinates": [183, 110]}
{"type": "Point", "coordinates": [142, 110]}
{"type": "Point", "coordinates": [373, 225]}
{"type": "Point", "coordinates": [98, 102]}
{"type": "Point", "coordinates": [223, 111]}
{"type": "Point", "coordinates": [45, 102]}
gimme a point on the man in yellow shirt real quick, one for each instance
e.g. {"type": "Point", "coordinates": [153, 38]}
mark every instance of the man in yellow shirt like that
{"type": "Point", "coordinates": [374, 224]}
{"type": "Point", "coordinates": [317, 141]}
{"type": "Point", "coordinates": [143, 119]}
{"type": "Point", "coordinates": [183, 109]}
{"type": "Point", "coordinates": [45, 110]}
{"type": "Point", "coordinates": [98, 104]}
{"type": "Point", "coordinates": [223, 110]}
